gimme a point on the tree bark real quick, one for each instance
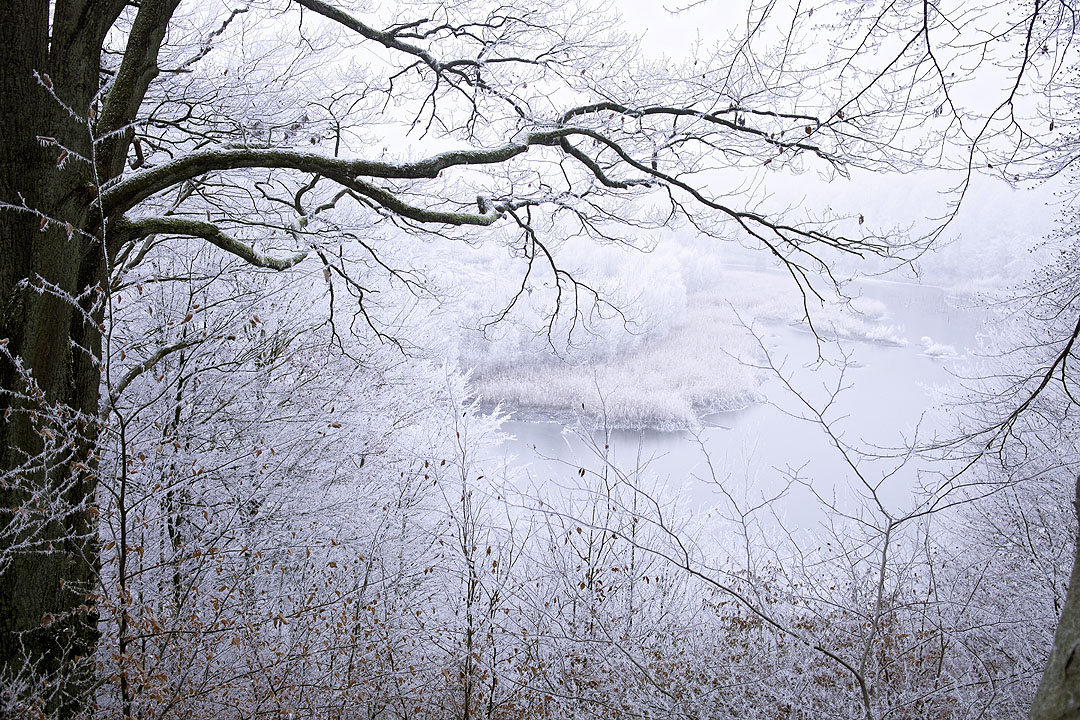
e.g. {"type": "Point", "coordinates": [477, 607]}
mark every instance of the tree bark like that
{"type": "Point", "coordinates": [49, 376]}
{"type": "Point", "coordinates": [1058, 696]}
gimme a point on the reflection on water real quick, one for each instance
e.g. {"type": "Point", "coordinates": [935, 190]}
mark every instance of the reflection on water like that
{"type": "Point", "coordinates": [887, 401]}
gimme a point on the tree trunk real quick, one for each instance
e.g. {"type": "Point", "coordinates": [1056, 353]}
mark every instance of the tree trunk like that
{"type": "Point", "coordinates": [50, 328]}
{"type": "Point", "coordinates": [1058, 697]}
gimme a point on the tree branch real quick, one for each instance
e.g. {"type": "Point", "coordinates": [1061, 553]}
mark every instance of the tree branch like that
{"type": "Point", "coordinates": [386, 39]}
{"type": "Point", "coordinates": [209, 232]}
{"type": "Point", "coordinates": [117, 390]}
{"type": "Point", "coordinates": [137, 70]}
{"type": "Point", "coordinates": [135, 188]}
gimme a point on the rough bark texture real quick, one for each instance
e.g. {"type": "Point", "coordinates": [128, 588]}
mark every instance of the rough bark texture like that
{"type": "Point", "coordinates": [47, 623]}
{"type": "Point", "coordinates": [1058, 697]}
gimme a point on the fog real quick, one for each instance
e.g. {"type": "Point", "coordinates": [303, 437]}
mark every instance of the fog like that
{"type": "Point", "coordinates": [677, 386]}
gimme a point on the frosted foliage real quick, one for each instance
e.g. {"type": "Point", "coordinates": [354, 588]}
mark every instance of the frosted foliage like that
{"type": "Point", "coordinates": [263, 488]}
{"type": "Point", "coordinates": [668, 383]}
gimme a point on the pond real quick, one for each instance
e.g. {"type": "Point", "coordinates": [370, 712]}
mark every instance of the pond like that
{"type": "Point", "coordinates": [895, 388]}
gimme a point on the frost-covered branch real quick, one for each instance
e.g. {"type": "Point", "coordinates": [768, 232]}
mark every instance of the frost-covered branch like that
{"type": "Point", "coordinates": [143, 227]}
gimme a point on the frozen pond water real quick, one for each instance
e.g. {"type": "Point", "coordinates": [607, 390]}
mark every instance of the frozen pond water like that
{"type": "Point", "coordinates": [892, 389]}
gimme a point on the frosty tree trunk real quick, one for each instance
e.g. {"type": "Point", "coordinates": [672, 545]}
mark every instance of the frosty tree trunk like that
{"type": "Point", "coordinates": [48, 565]}
{"type": "Point", "coordinates": [1058, 697]}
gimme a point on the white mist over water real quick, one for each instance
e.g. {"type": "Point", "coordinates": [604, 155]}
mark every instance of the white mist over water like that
{"type": "Point", "coordinates": [895, 374]}
{"type": "Point", "coordinates": [683, 376]}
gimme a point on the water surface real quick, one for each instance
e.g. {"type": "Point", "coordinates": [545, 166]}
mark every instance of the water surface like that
{"type": "Point", "coordinates": [892, 397]}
